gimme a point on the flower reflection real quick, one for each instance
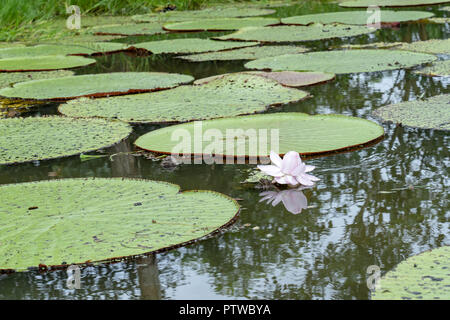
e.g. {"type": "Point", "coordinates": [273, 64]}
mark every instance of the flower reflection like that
{"type": "Point", "coordinates": [293, 199]}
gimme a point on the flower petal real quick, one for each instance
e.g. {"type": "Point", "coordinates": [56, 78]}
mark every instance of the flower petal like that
{"type": "Point", "coordinates": [275, 158]}
{"type": "Point", "coordinates": [309, 168]}
{"type": "Point", "coordinates": [304, 180]}
{"type": "Point", "coordinates": [281, 180]}
{"type": "Point", "coordinates": [273, 171]}
{"type": "Point", "coordinates": [291, 180]}
{"type": "Point", "coordinates": [291, 161]}
{"type": "Point", "coordinates": [311, 177]}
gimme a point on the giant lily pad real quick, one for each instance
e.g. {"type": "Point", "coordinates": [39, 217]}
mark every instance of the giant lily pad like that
{"type": "Point", "coordinates": [41, 138]}
{"type": "Point", "coordinates": [343, 61]}
{"type": "Point", "coordinates": [190, 45]}
{"type": "Point", "coordinates": [43, 63]}
{"type": "Point", "coordinates": [129, 29]}
{"type": "Point", "coordinates": [296, 33]}
{"type": "Point", "coordinates": [437, 69]}
{"type": "Point", "coordinates": [436, 46]}
{"type": "Point", "coordinates": [432, 113]}
{"type": "Point", "coordinates": [77, 221]}
{"type": "Point", "coordinates": [7, 79]}
{"type": "Point", "coordinates": [308, 135]}
{"type": "Point", "coordinates": [249, 53]}
{"type": "Point", "coordinates": [211, 13]}
{"type": "Point", "coordinates": [425, 276]}
{"type": "Point", "coordinates": [221, 24]}
{"type": "Point", "coordinates": [61, 49]}
{"type": "Point", "coordinates": [229, 95]}
{"type": "Point", "coordinates": [95, 85]}
{"type": "Point", "coordinates": [389, 3]}
{"type": "Point", "coordinates": [357, 17]}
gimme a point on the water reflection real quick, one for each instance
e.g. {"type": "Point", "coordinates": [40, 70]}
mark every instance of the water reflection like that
{"type": "Point", "coordinates": [293, 199]}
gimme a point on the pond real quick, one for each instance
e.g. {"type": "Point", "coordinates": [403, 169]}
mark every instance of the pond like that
{"type": "Point", "coordinates": [374, 206]}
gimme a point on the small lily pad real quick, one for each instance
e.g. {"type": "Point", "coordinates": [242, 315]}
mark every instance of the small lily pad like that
{"type": "Point", "coordinates": [41, 138]}
{"type": "Point", "coordinates": [425, 276]}
{"type": "Point", "coordinates": [78, 221]}
{"type": "Point", "coordinates": [431, 113]}
{"type": "Point", "coordinates": [249, 53]}
{"type": "Point", "coordinates": [221, 24]}
{"type": "Point", "coordinates": [190, 45]}
{"type": "Point", "coordinates": [43, 63]}
{"type": "Point", "coordinates": [389, 3]}
{"type": "Point", "coordinates": [95, 85]}
{"type": "Point", "coordinates": [436, 46]}
{"type": "Point", "coordinates": [138, 29]}
{"type": "Point", "coordinates": [230, 95]}
{"type": "Point", "coordinates": [296, 33]}
{"type": "Point", "coordinates": [439, 20]}
{"type": "Point", "coordinates": [437, 69]}
{"type": "Point", "coordinates": [7, 79]}
{"type": "Point", "coordinates": [357, 17]}
{"type": "Point", "coordinates": [373, 45]}
{"type": "Point", "coordinates": [343, 61]}
{"type": "Point", "coordinates": [308, 135]}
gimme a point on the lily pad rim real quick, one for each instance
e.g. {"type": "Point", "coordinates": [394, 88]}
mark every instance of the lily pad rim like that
{"type": "Point", "coordinates": [130, 257]}
{"type": "Point", "coordinates": [164, 27]}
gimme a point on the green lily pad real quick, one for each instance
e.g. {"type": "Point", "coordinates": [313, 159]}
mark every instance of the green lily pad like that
{"type": "Point", "coordinates": [190, 45]}
{"type": "Point", "coordinates": [11, 44]}
{"type": "Point", "coordinates": [249, 53]}
{"type": "Point", "coordinates": [220, 24]}
{"type": "Point", "coordinates": [129, 29]}
{"type": "Point", "coordinates": [7, 79]}
{"type": "Point", "coordinates": [296, 33]}
{"type": "Point", "coordinates": [357, 17]}
{"type": "Point", "coordinates": [41, 138]}
{"type": "Point", "coordinates": [43, 63]}
{"type": "Point", "coordinates": [61, 49]}
{"type": "Point", "coordinates": [343, 61]}
{"type": "Point", "coordinates": [389, 3]}
{"type": "Point", "coordinates": [439, 20]}
{"type": "Point", "coordinates": [437, 69]}
{"type": "Point", "coordinates": [229, 95]}
{"type": "Point", "coordinates": [82, 221]}
{"type": "Point", "coordinates": [373, 45]}
{"type": "Point", "coordinates": [212, 13]}
{"type": "Point", "coordinates": [425, 276]}
{"type": "Point", "coordinates": [308, 135]}
{"type": "Point", "coordinates": [435, 46]}
{"type": "Point", "coordinates": [286, 78]}
{"type": "Point", "coordinates": [95, 85]}
{"type": "Point", "coordinates": [431, 113]}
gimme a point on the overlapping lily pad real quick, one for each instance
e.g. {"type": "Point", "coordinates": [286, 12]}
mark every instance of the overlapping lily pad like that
{"type": "Point", "coordinates": [308, 135]}
{"type": "Point", "coordinates": [130, 29]}
{"type": "Point", "coordinates": [439, 20]}
{"type": "Point", "coordinates": [343, 61]}
{"type": "Point", "coordinates": [389, 3]}
{"type": "Point", "coordinates": [220, 24]}
{"type": "Point", "coordinates": [296, 33]}
{"type": "Point", "coordinates": [431, 113]}
{"type": "Point", "coordinates": [425, 276]}
{"type": "Point", "coordinates": [190, 45]}
{"type": "Point", "coordinates": [249, 53]}
{"type": "Point", "coordinates": [285, 78]}
{"type": "Point", "coordinates": [7, 79]}
{"type": "Point", "coordinates": [230, 95]}
{"type": "Point", "coordinates": [357, 17]}
{"type": "Point", "coordinates": [95, 85]}
{"type": "Point", "coordinates": [77, 221]}
{"type": "Point", "coordinates": [437, 69]}
{"type": "Point", "coordinates": [41, 138]}
{"type": "Point", "coordinates": [436, 46]}
{"type": "Point", "coordinates": [43, 63]}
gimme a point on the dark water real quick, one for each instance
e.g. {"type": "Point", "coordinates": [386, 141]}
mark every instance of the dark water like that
{"type": "Point", "coordinates": [376, 206]}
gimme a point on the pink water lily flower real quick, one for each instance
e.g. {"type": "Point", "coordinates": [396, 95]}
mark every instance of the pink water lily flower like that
{"type": "Point", "coordinates": [290, 170]}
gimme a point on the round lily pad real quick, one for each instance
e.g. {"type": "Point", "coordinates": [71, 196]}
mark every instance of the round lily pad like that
{"type": "Point", "coordinates": [249, 53]}
{"type": "Point", "coordinates": [431, 113]}
{"type": "Point", "coordinates": [84, 221]}
{"type": "Point", "coordinates": [436, 69]}
{"type": "Point", "coordinates": [41, 138]}
{"type": "Point", "coordinates": [7, 79]}
{"type": "Point", "coordinates": [229, 95]}
{"type": "Point", "coordinates": [43, 63]}
{"type": "Point", "coordinates": [425, 276]}
{"type": "Point", "coordinates": [220, 24]}
{"type": "Point", "coordinates": [285, 78]}
{"type": "Point", "coordinates": [357, 17]}
{"type": "Point", "coordinates": [95, 85]}
{"type": "Point", "coordinates": [389, 3]}
{"type": "Point", "coordinates": [308, 135]}
{"type": "Point", "coordinates": [129, 29]}
{"type": "Point", "coordinates": [436, 46]}
{"type": "Point", "coordinates": [343, 61]}
{"type": "Point", "coordinates": [190, 45]}
{"type": "Point", "coordinates": [296, 33]}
